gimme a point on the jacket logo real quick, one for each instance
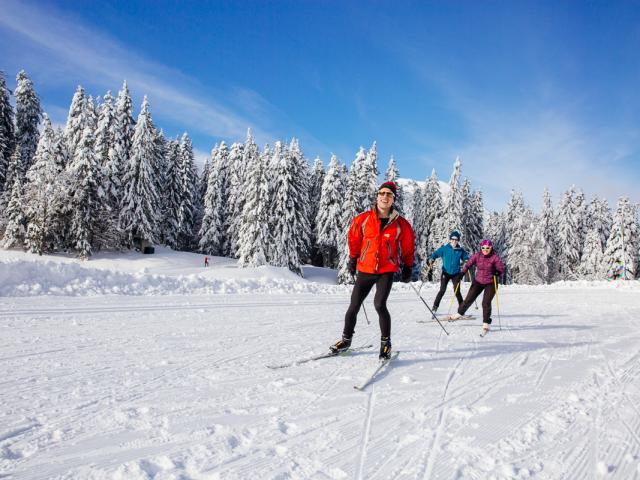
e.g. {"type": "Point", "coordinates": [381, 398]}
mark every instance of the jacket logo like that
{"type": "Point", "coordinates": [387, 235]}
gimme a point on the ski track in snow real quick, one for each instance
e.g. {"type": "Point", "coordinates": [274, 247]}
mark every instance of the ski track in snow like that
{"type": "Point", "coordinates": [176, 386]}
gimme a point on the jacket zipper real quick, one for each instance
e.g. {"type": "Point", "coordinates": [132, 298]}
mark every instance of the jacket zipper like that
{"type": "Point", "coordinates": [365, 251]}
{"type": "Point", "coordinates": [389, 250]}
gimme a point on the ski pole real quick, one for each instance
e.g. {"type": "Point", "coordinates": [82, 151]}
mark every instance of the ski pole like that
{"type": "Point", "coordinates": [365, 313]}
{"type": "Point", "coordinates": [455, 291]}
{"type": "Point", "coordinates": [495, 286]}
{"type": "Point", "coordinates": [363, 308]}
{"type": "Point", "coordinates": [476, 300]}
{"type": "Point", "coordinates": [430, 265]}
{"type": "Point", "coordinates": [425, 304]}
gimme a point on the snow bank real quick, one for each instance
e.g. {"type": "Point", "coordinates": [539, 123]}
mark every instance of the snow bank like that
{"type": "Point", "coordinates": [168, 272]}
{"type": "Point", "coordinates": [19, 278]}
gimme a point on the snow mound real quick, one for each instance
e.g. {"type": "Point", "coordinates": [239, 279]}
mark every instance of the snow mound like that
{"type": "Point", "coordinates": [20, 278]}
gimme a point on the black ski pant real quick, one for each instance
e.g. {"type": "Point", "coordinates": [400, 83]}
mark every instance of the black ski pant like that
{"type": "Point", "coordinates": [474, 292]}
{"type": "Point", "coordinates": [364, 284]}
{"type": "Point", "coordinates": [444, 281]}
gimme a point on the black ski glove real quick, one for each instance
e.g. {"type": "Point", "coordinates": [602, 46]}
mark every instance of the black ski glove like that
{"type": "Point", "coordinates": [353, 261]}
{"type": "Point", "coordinates": [429, 266]}
{"type": "Point", "coordinates": [406, 274]}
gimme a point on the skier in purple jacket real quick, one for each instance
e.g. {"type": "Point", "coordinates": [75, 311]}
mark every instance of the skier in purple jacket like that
{"type": "Point", "coordinates": [488, 264]}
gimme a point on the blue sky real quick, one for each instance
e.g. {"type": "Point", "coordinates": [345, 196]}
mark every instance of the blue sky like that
{"type": "Point", "coordinates": [528, 94]}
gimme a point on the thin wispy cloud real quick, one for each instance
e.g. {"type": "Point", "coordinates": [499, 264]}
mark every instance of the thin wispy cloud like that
{"type": "Point", "coordinates": [93, 57]}
{"type": "Point", "coordinates": [527, 145]}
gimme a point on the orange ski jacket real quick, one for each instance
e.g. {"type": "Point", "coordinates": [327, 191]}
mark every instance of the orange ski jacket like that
{"type": "Point", "coordinates": [378, 251]}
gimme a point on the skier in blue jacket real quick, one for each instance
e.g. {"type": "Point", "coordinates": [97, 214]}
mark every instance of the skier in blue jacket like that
{"type": "Point", "coordinates": [453, 255]}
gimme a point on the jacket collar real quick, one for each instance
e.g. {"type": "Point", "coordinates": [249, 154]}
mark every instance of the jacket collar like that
{"type": "Point", "coordinates": [392, 216]}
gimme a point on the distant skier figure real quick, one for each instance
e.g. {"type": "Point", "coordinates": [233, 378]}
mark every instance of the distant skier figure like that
{"type": "Point", "coordinates": [488, 264]}
{"type": "Point", "coordinates": [206, 261]}
{"type": "Point", "coordinates": [452, 255]}
{"type": "Point", "coordinates": [619, 273]}
{"type": "Point", "coordinates": [376, 239]}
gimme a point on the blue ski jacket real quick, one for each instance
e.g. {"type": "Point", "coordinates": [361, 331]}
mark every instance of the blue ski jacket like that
{"type": "Point", "coordinates": [451, 258]}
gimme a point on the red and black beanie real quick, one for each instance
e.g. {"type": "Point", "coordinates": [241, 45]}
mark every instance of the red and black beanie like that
{"type": "Point", "coordinates": [390, 185]}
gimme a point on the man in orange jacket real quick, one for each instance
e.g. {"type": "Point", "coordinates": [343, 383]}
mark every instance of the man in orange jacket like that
{"type": "Point", "coordinates": [380, 242]}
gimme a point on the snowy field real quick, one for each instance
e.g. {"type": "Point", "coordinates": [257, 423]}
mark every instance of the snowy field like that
{"type": "Point", "coordinates": [151, 367]}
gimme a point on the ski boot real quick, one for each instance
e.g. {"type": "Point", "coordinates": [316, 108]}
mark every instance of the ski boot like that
{"type": "Point", "coordinates": [341, 345]}
{"type": "Point", "coordinates": [385, 348]}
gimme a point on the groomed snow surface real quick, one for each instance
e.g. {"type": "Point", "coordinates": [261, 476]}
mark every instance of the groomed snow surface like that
{"type": "Point", "coordinates": [134, 366]}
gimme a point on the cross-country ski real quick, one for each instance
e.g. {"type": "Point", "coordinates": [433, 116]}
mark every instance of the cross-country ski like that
{"type": "Point", "coordinates": [382, 365]}
{"type": "Point", "coordinates": [446, 318]}
{"type": "Point", "coordinates": [453, 318]}
{"type": "Point", "coordinates": [313, 358]}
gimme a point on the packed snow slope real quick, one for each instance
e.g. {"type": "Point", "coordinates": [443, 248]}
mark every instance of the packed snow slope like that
{"type": "Point", "coordinates": [153, 367]}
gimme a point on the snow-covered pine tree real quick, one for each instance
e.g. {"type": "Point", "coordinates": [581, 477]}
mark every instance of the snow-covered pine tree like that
{"type": "Point", "coordinates": [581, 218]}
{"type": "Point", "coordinates": [203, 179]}
{"type": "Point", "coordinates": [122, 129]}
{"type": "Point", "coordinates": [104, 132]}
{"type": "Point", "coordinates": [496, 231]}
{"type": "Point", "coordinates": [254, 225]}
{"type": "Point", "coordinates": [467, 213]}
{"type": "Point", "coordinates": [475, 225]}
{"type": "Point", "coordinates": [28, 115]}
{"type": "Point", "coordinates": [86, 200]}
{"type": "Point", "coordinates": [290, 227]}
{"type": "Point", "coordinates": [351, 208]}
{"type": "Point", "coordinates": [161, 144]}
{"type": "Point", "coordinates": [548, 238]}
{"type": "Point", "coordinates": [344, 173]}
{"type": "Point", "coordinates": [76, 120]}
{"type": "Point", "coordinates": [301, 178]}
{"type": "Point", "coordinates": [61, 221]}
{"type": "Point", "coordinates": [530, 271]}
{"type": "Point", "coordinates": [203, 183]}
{"type": "Point", "coordinates": [392, 175]}
{"type": "Point", "coordinates": [317, 179]}
{"type": "Point", "coordinates": [173, 194]}
{"type": "Point", "coordinates": [14, 232]}
{"type": "Point", "coordinates": [14, 172]}
{"type": "Point", "coordinates": [7, 132]}
{"type": "Point", "coordinates": [415, 214]}
{"type": "Point", "coordinates": [591, 261]}
{"type": "Point", "coordinates": [188, 204]}
{"type": "Point", "coordinates": [452, 215]}
{"type": "Point", "coordinates": [368, 179]}
{"type": "Point", "coordinates": [599, 218]}
{"type": "Point", "coordinates": [213, 232]}
{"type": "Point", "coordinates": [432, 211]}
{"type": "Point", "coordinates": [62, 156]}
{"type": "Point", "coordinates": [92, 114]}
{"type": "Point", "coordinates": [42, 195]}
{"type": "Point", "coordinates": [315, 192]}
{"type": "Point", "coordinates": [623, 242]}
{"type": "Point", "coordinates": [519, 252]}
{"type": "Point", "coordinates": [138, 214]}
{"type": "Point", "coordinates": [568, 236]}
{"type": "Point", "coordinates": [235, 200]}
{"type": "Point", "coordinates": [250, 155]}
{"type": "Point", "coordinates": [328, 226]}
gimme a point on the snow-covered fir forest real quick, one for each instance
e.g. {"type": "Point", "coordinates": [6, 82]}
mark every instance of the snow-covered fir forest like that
{"type": "Point", "coordinates": [112, 180]}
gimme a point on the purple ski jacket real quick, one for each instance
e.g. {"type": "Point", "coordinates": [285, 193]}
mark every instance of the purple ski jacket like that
{"type": "Point", "coordinates": [486, 266]}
